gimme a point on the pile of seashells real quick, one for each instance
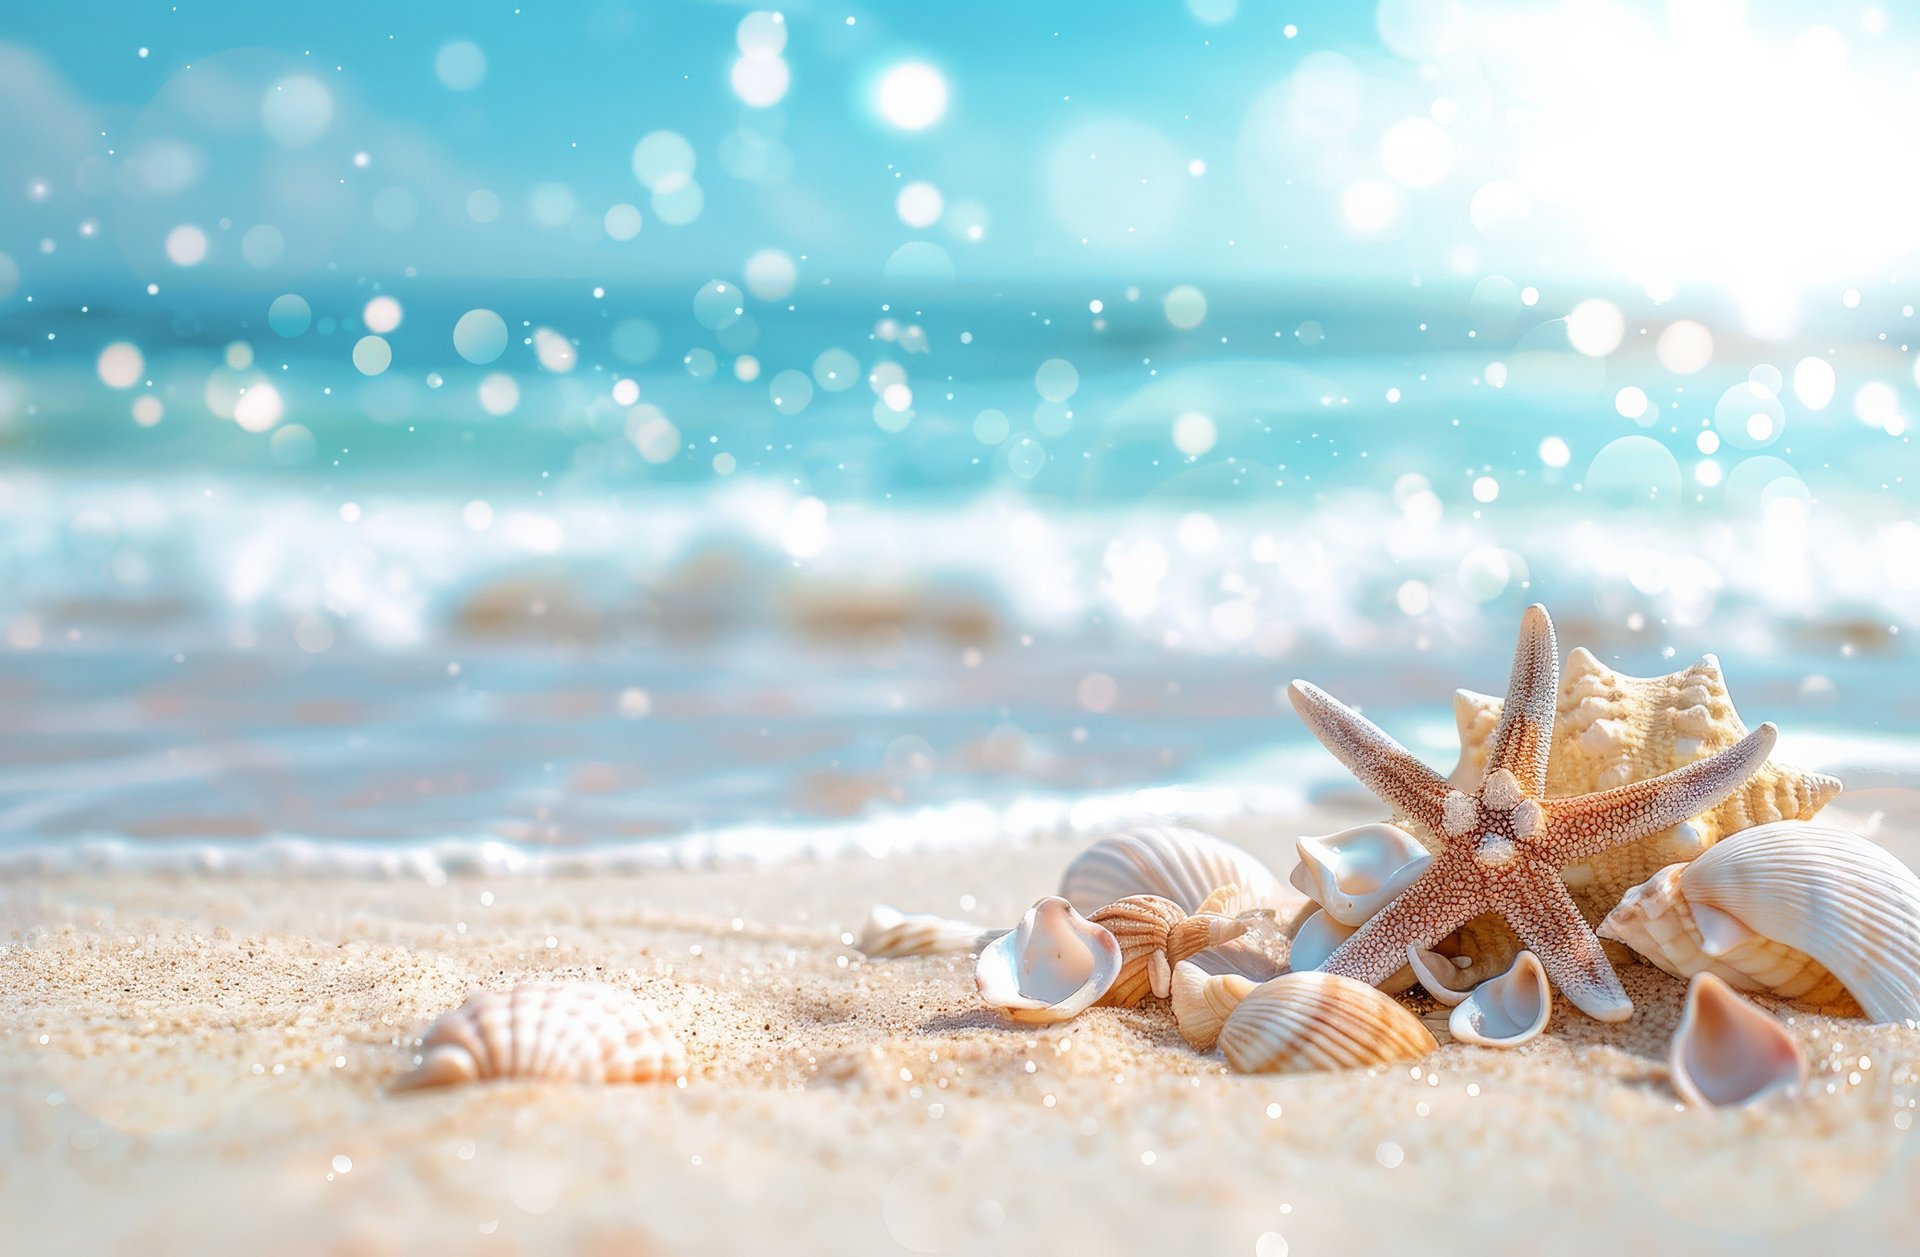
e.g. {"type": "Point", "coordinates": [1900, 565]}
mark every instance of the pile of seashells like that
{"type": "Point", "coordinates": [1716, 875]}
{"type": "Point", "coordinates": [1641, 804]}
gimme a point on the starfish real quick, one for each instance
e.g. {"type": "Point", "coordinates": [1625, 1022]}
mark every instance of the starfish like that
{"type": "Point", "coordinates": [1501, 847]}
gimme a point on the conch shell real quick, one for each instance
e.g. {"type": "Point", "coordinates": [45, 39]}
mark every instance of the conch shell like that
{"type": "Point", "coordinates": [1356, 872]}
{"type": "Point", "coordinates": [1056, 964]}
{"type": "Point", "coordinates": [563, 1031]}
{"type": "Point", "coordinates": [1791, 908]}
{"type": "Point", "coordinates": [1155, 935]}
{"type": "Point", "coordinates": [1303, 1022]}
{"type": "Point", "coordinates": [1506, 1011]}
{"type": "Point", "coordinates": [890, 934]}
{"type": "Point", "coordinates": [1203, 1001]}
{"type": "Point", "coordinates": [1175, 863]}
{"type": "Point", "coordinates": [1728, 1052]}
{"type": "Point", "coordinates": [1611, 729]}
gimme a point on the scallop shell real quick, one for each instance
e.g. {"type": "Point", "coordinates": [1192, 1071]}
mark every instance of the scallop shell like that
{"type": "Point", "coordinates": [1440, 976]}
{"type": "Point", "coordinates": [1767, 903]}
{"type": "Point", "coordinates": [1611, 729]}
{"type": "Point", "coordinates": [1506, 1011]}
{"type": "Point", "coordinates": [1304, 1022]}
{"type": "Point", "coordinates": [1356, 872]}
{"type": "Point", "coordinates": [1155, 935]}
{"type": "Point", "coordinates": [565, 1031]}
{"type": "Point", "coordinates": [1183, 865]}
{"type": "Point", "coordinates": [1056, 964]}
{"type": "Point", "coordinates": [890, 934]}
{"type": "Point", "coordinates": [1203, 1001]}
{"type": "Point", "coordinates": [1726, 1051]}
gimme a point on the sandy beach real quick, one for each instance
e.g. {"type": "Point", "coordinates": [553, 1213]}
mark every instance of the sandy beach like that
{"type": "Point", "coordinates": [212, 1057]}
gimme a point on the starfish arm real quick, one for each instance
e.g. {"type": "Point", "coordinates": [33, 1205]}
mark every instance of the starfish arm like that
{"type": "Point", "coordinates": [1582, 827]}
{"type": "Point", "coordinates": [1423, 913]}
{"type": "Point", "coordinates": [1382, 765]}
{"type": "Point", "coordinates": [1521, 739]}
{"type": "Point", "coordinates": [1551, 926]}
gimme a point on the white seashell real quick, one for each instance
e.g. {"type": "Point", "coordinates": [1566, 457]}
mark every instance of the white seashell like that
{"type": "Point", "coordinates": [1769, 907]}
{"type": "Point", "coordinates": [1052, 967]}
{"type": "Point", "coordinates": [1506, 1011]}
{"type": "Point", "coordinates": [1316, 939]}
{"type": "Point", "coordinates": [1443, 977]}
{"type": "Point", "coordinates": [1183, 865]}
{"type": "Point", "coordinates": [1727, 1051]}
{"type": "Point", "coordinates": [1155, 935]}
{"type": "Point", "coordinates": [1203, 1001]}
{"type": "Point", "coordinates": [1302, 1022]}
{"type": "Point", "coordinates": [565, 1031]}
{"type": "Point", "coordinates": [1356, 872]}
{"type": "Point", "coordinates": [890, 934]}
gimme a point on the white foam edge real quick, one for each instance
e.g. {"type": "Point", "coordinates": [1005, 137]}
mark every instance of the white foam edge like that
{"type": "Point", "coordinates": [948, 827]}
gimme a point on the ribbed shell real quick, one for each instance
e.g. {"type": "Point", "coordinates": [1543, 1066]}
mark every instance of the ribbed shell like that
{"type": "Point", "coordinates": [1847, 903]}
{"type": "Point", "coordinates": [1183, 865]}
{"type": "Point", "coordinates": [1306, 1022]}
{"type": "Point", "coordinates": [1728, 1052]}
{"type": "Point", "coordinates": [1154, 935]}
{"type": "Point", "coordinates": [1655, 920]}
{"type": "Point", "coordinates": [1611, 729]}
{"type": "Point", "coordinates": [564, 1031]}
{"type": "Point", "coordinates": [890, 934]}
{"type": "Point", "coordinates": [1203, 1001]}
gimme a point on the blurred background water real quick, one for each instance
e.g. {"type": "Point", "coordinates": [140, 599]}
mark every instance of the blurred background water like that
{"type": "Point", "coordinates": [567, 427]}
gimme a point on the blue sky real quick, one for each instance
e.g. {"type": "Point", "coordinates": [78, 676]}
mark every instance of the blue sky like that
{"type": "Point", "coordinates": [1691, 150]}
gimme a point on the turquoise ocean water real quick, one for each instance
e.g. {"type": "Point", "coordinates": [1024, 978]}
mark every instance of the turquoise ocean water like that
{"type": "Point", "coordinates": [842, 513]}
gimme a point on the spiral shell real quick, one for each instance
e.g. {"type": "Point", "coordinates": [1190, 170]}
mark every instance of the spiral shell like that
{"type": "Point", "coordinates": [1054, 966]}
{"type": "Point", "coordinates": [1203, 1001]}
{"type": "Point", "coordinates": [1792, 908]}
{"type": "Point", "coordinates": [1728, 1052]}
{"type": "Point", "coordinates": [1155, 935]}
{"type": "Point", "coordinates": [564, 1031]}
{"type": "Point", "coordinates": [1304, 1022]}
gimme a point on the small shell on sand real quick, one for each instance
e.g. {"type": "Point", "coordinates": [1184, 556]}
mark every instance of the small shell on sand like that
{"type": "Point", "coordinates": [890, 934]}
{"type": "Point", "coordinates": [1727, 1051]}
{"type": "Point", "coordinates": [1304, 1022]}
{"type": "Point", "coordinates": [564, 1031]}
{"type": "Point", "coordinates": [1440, 976]}
{"type": "Point", "coordinates": [1056, 964]}
{"type": "Point", "coordinates": [1506, 1011]}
